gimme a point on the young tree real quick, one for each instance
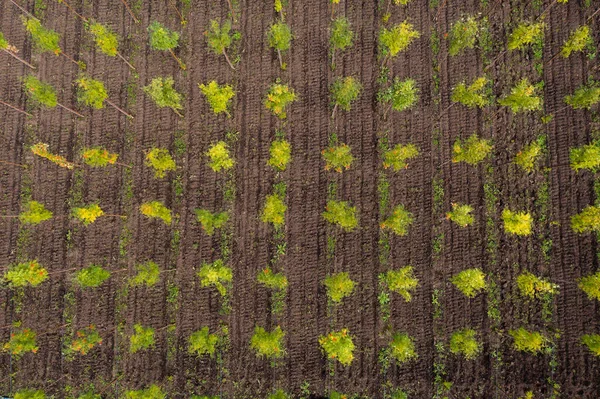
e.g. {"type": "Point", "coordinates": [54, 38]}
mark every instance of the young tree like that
{"type": "Point", "coordinates": [164, 39]}
{"type": "Point", "coordinates": [526, 34]}
{"type": "Point", "coordinates": [92, 276]}
{"type": "Point", "coordinates": [93, 94]}
{"type": "Point", "coordinates": [88, 214]}
{"type": "Point", "coordinates": [278, 98]}
{"type": "Point", "coordinates": [585, 157]}
{"type": "Point", "coordinates": [528, 341]}
{"type": "Point", "coordinates": [401, 281]}
{"type": "Point", "coordinates": [343, 92]}
{"type": "Point", "coordinates": [156, 209]}
{"type": "Point", "coordinates": [274, 210]}
{"type": "Point", "coordinates": [402, 95]}
{"type": "Point", "coordinates": [464, 342]}
{"type": "Point", "coordinates": [397, 39]}
{"type": "Point", "coordinates": [338, 345]}
{"type": "Point", "coordinates": [461, 214]}
{"type": "Point", "coordinates": [578, 40]}
{"type": "Point", "coordinates": [99, 157]}
{"type": "Point", "coordinates": [522, 98]}
{"type": "Point", "coordinates": [268, 344]}
{"type": "Point", "coordinates": [528, 156]}
{"type": "Point", "coordinates": [274, 281]}
{"type": "Point", "coordinates": [396, 157]}
{"type": "Point", "coordinates": [588, 220]}
{"type": "Point", "coordinates": [21, 342]}
{"type": "Point", "coordinates": [216, 274]}
{"type": "Point", "coordinates": [164, 95]}
{"type": "Point", "coordinates": [147, 274]}
{"type": "Point", "coordinates": [107, 41]}
{"type": "Point", "coordinates": [29, 273]}
{"type": "Point", "coordinates": [34, 213]}
{"type": "Point", "coordinates": [161, 161]}
{"type": "Point", "coordinates": [219, 158]}
{"type": "Point", "coordinates": [218, 97]}
{"type": "Point", "coordinates": [44, 40]}
{"type": "Point", "coordinates": [399, 221]}
{"type": "Point", "coordinates": [341, 36]}
{"type": "Point", "coordinates": [202, 342]}
{"type": "Point", "coordinates": [584, 97]}
{"type": "Point", "coordinates": [30, 394]}
{"type": "Point", "coordinates": [280, 393]}
{"type": "Point", "coordinates": [339, 286]}
{"type": "Point", "coordinates": [280, 154]}
{"type": "Point", "coordinates": [338, 157]}
{"type": "Point", "coordinates": [280, 38]}
{"type": "Point", "coordinates": [86, 340]}
{"type": "Point", "coordinates": [470, 282]}
{"type": "Point", "coordinates": [474, 95]}
{"type": "Point", "coordinates": [402, 348]}
{"type": "Point", "coordinates": [518, 223]}
{"type": "Point", "coordinates": [591, 285]}
{"type": "Point", "coordinates": [43, 93]}
{"type": "Point", "coordinates": [463, 35]}
{"type": "Point", "coordinates": [342, 214]}
{"type": "Point", "coordinates": [12, 50]}
{"type": "Point", "coordinates": [152, 392]}
{"type": "Point", "coordinates": [532, 286]}
{"type": "Point", "coordinates": [211, 221]}
{"type": "Point", "coordinates": [141, 339]}
{"type": "Point", "coordinates": [219, 39]}
{"type": "Point", "coordinates": [472, 151]}
{"type": "Point", "coordinates": [592, 341]}
{"type": "Point", "coordinates": [41, 150]}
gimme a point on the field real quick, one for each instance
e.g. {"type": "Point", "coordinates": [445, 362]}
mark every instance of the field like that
{"type": "Point", "coordinates": [305, 247]}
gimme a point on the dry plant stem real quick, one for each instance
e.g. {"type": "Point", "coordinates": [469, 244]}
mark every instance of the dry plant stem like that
{"type": "Point", "coordinates": [177, 112]}
{"type": "Point", "coordinates": [280, 60]}
{"type": "Point", "coordinates": [227, 59]}
{"type": "Point", "coordinates": [109, 215]}
{"type": "Point", "coordinates": [70, 59]}
{"type": "Point", "coordinates": [494, 60]}
{"type": "Point", "coordinates": [118, 109]}
{"type": "Point", "coordinates": [12, 163]}
{"type": "Point", "coordinates": [15, 108]}
{"type": "Point", "coordinates": [125, 61]}
{"type": "Point", "coordinates": [22, 9]}
{"type": "Point", "coordinates": [334, 109]}
{"type": "Point", "coordinates": [386, 111]}
{"type": "Point", "coordinates": [440, 9]}
{"type": "Point", "coordinates": [123, 164]}
{"type": "Point", "coordinates": [174, 6]}
{"type": "Point", "coordinates": [333, 60]}
{"type": "Point", "coordinates": [547, 9]}
{"type": "Point", "coordinates": [181, 64]}
{"type": "Point", "coordinates": [70, 110]}
{"type": "Point", "coordinates": [73, 10]}
{"type": "Point", "coordinates": [19, 58]}
{"type": "Point", "coordinates": [592, 16]}
{"type": "Point", "coordinates": [130, 11]}
{"type": "Point", "coordinates": [231, 9]}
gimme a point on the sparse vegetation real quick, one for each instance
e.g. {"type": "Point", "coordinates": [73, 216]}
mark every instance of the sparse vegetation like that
{"type": "Point", "coordinates": [529, 155]}
{"type": "Point", "coordinates": [164, 95]}
{"type": "Point", "coordinates": [578, 40]}
{"type": "Point", "coordinates": [344, 91]}
{"type": "Point", "coordinates": [525, 34]}
{"type": "Point", "coordinates": [156, 210]}
{"type": "Point", "coordinates": [23, 274]}
{"type": "Point", "coordinates": [585, 157]}
{"type": "Point", "coordinates": [92, 276]}
{"type": "Point", "coordinates": [219, 39]}
{"type": "Point", "coordinates": [34, 213]}
{"type": "Point", "coordinates": [402, 94]}
{"type": "Point", "coordinates": [147, 274]}
{"type": "Point", "coordinates": [591, 285]}
{"type": "Point", "coordinates": [584, 97]}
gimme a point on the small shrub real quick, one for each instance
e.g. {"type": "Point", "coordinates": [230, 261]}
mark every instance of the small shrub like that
{"type": "Point", "coordinates": [339, 286]}
{"type": "Point", "coordinates": [156, 209]}
{"type": "Point", "coordinates": [474, 95]}
{"type": "Point", "coordinates": [341, 34]}
{"type": "Point", "coordinates": [91, 92]}
{"type": "Point", "coordinates": [201, 342]}
{"type": "Point", "coordinates": [88, 214]}
{"type": "Point", "coordinates": [399, 221]}
{"type": "Point", "coordinates": [578, 40]}
{"type": "Point", "coordinates": [397, 156]}
{"type": "Point", "coordinates": [91, 277]}
{"type": "Point", "coordinates": [584, 97]}
{"type": "Point", "coordinates": [338, 345]}
{"type": "Point", "coordinates": [218, 97]}
{"type": "Point", "coordinates": [463, 35]}
{"type": "Point", "coordinates": [592, 341]}
{"type": "Point", "coordinates": [26, 273]}
{"type": "Point", "coordinates": [211, 221]}
{"type": "Point", "coordinates": [401, 281]}
{"type": "Point", "coordinates": [278, 98]}
{"type": "Point", "coordinates": [591, 285]}
{"type": "Point", "coordinates": [280, 36]}
{"type": "Point", "coordinates": [219, 158]}
{"type": "Point", "coordinates": [215, 274]}
{"type": "Point", "coordinates": [161, 161]}
{"type": "Point", "coordinates": [21, 341]}
{"type": "Point", "coordinates": [106, 40]}
{"type": "Point", "coordinates": [344, 91]}
{"type": "Point", "coordinates": [532, 286]}
{"type": "Point", "coordinates": [472, 151]}
{"type": "Point", "coordinates": [398, 38]}
{"type": "Point", "coordinates": [30, 394]}
{"type": "Point", "coordinates": [342, 214]}
{"type": "Point", "coordinates": [147, 273]}
{"type": "Point", "coordinates": [164, 39]}
{"type": "Point", "coordinates": [89, 395]}
{"type": "Point", "coordinates": [461, 215]}
{"type": "Point", "coordinates": [464, 342]}
{"type": "Point", "coordinates": [402, 94]}
{"type": "Point", "coordinates": [152, 392]}
{"type": "Point", "coordinates": [280, 154]}
{"type": "Point", "coordinates": [41, 150]}
{"type": "Point", "coordinates": [274, 281]}
{"type": "Point", "coordinates": [585, 157]}
{"type": "Point", "coordinates": [34, 213]}
{"type": "Point", "coordinates": [518, 223]}
{"type": "Point", "coordinates": [163, 94]}
{"type": "Point", "coordinates": [219, 38]}
{"type": "Point", "coordinates": [4, 44]}
{"type": "Point", "coordinates": [402, 348]}
{"type": "Point", "coordinates": [522, 98]}
{"type": "Point", "coordinates": [274, 210]}
{"type": "Point", "coordinates": [338, 157]}
{"type": "Point", "coordinates": [141, 339]}
{"type": "Point", "coordinates": [526, 34]}
{"type": "Point", "coordinates": [528, 341]}
{"type": "Point", "coordinates": [527, 157]}
{"type": "Point", "coordinates": [267, 344]}
{"type": "Point", "coordinates": [44, 40]}
{"type": "Point", "coordinates": [86, 340]}
{"type": "Point", "coordinates": [587, 220]}
{"type": "Point", "coordinates": [98, 157]}
{"type": "Point", "coordinates": [278, 394]}
{"type": "Point", "coordinates": [40, 92]}
{"type": "Point", "coordinates": [470, 282]}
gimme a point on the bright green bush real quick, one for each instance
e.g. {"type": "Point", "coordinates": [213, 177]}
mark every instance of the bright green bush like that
{"type": "Point", "coordinates": [527, 157]}
{"type": "Point", "coordinates": [399, 221]}
{"type": "Point", "coordinates": [463, 35]}
{"type": "Point", "coordinates": [147, 273]}
{"type": "Point", "coordinates": [585, 157]}
{"type": "Point", "coordinates": [474, 95]}
{"type": "Point", "coordinates": [91, 277]}
{"type": "Point", "coordinates": [202, 342]}
{"type": "Point", "coordinates": [34, 213]}
{"type": "Point", "coordinates": [592, 341]}
{"type": "Point", "coordinates": [470, 282]}
{"type": "Point", "coordinates": [338, 157]}
{"type": "Point", "coordinates": [278, 98]}
{"type": "Point", "coordinates": [587, 220]}
{"type": "Point", "coordinates": [464, 342]}
{"type": "Point", "coordinates": [156, 209]}
{"type": "Point", "coordinates": [26, 273]}
{"type": "Point", "coordinates": [591, 285]}
{"type": "Point", "coordinates": [267, 344]}
{"type": "Point", "coordinates": [522, 98]}
{"type": "Point", "coordinates": [91, 92]}
{"type": "Point", "coordinates": [518, 223]}
{"type": "Point", "coordinates": [578, 40]}
{"type": "Point", "coordinates": [525, 34]}
{"type": "Point", "coordinates": [218, 97]}
{"type": "Point", "coordinates": [274, 210]}
{"type": "Point", "coordinates": [584, 97]}
{"type": "Point", "coordinates": [280, 154]}
{"type": "Point", "coordinates": [106, 40]}
{"type": "Point", "coordinates": [141, 339]}
{"type": "Point", "coordinates": [402, 348]}
{"type": "Point", "coordinates": [215, 274]}
{"type": "Point", "coordinates": [278, 394]}
{"type": "Point", "coordinates": [21, 341]}
{"type": "Point", "coordinates": [152, 392]}
{"type": "Point", "coordinates": [338, 345]}
{"type": "Point", "coordinates": [40, 92]}
{"type": "Point", "coordinates": [89, 395]}
{"type": "Point", "coordinates": [402, 94]}
{"type": "Point", "coordinates": [4, 44]}
{"type": "Point", "coordinates": [219, 38]}
{"type": "Point", "coordinates": [219, 158]}
{"type": "Point", "coordinates": [401, 281]}
{"type": "Point", "coordinates": [30, 394]}
{"type": "Point", "coordinates": [339, 286]}
{"type": "Point", "coordinates": [461, 214]}
{"type": "Point", "coordinates": [211, 221]}
{"type": "Point", "coordinates": [97, 157]}
{"type": "Point", "coordinates": [161, 37]}
{"type": "Point", "coordinates": [472, 151]}
{"type": "Point", "coordinates": [532, 286]}
{"type": "Point", "coordinates": [280, 36]}
{"type": "Point", "coordinates": [397, 156]}
{"type": "Point", "coordinates": [88, 214]}
{"type": "Point", "coordinates": [528, 341]}
{"type": "Point", "coordinates": [274, 281]}
{"type": "Point", "coordinates": [398, 38]}
{"type": "Point", "coordinates": [342, 214]}
{"type": "Point", "coordinates": [341, 34]}
{"type": "Point", "coordinates": [344, 91]}
{"type": "Point", "coordinates": [86, 340]}
{"type": "Point", "coordinates": [161, 161]}
{"type": "Point", "coordinates": [163, 94]}
{"type": "Point", "coordinates": [44, 40]}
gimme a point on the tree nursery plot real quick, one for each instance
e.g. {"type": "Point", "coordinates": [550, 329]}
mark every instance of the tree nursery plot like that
{"type": "Point", "coordinates": [299, 199]}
